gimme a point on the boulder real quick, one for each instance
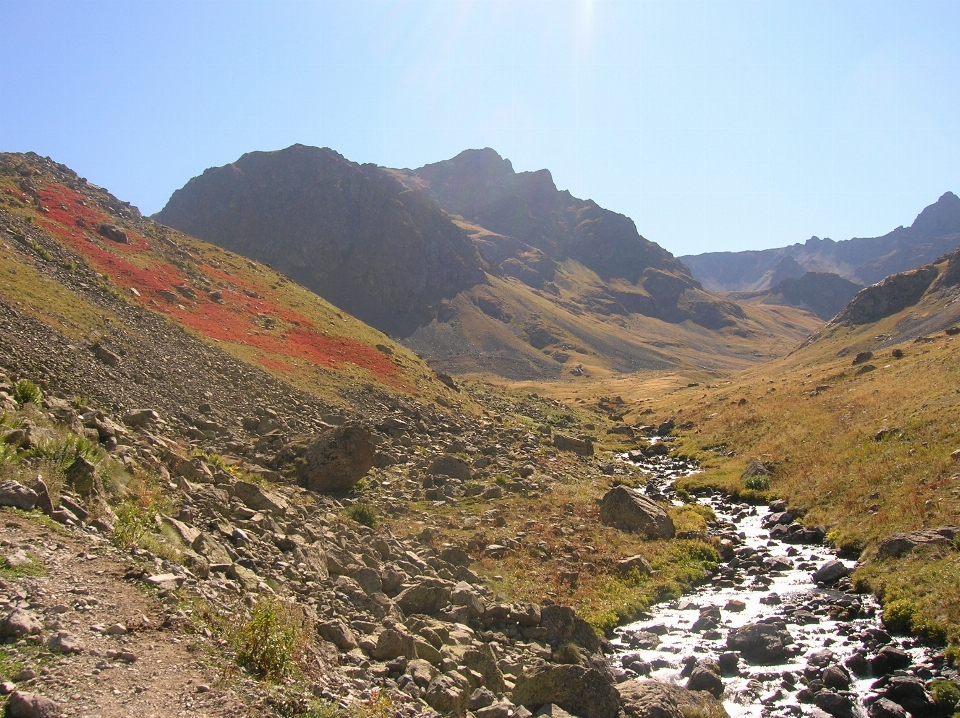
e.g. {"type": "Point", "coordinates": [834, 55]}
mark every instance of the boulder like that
{"type": "Point", "coordinates": [703, 679]}
{"type": "Point", "coordinates": [564, 626]}
{"type": "Point", "coordinates": [830, 572]}
{"type": "Point", "coordinates": [629, 510]}
{"type": "Point", "coordinates": [332, 462]}
{"type": "Point", "coordinates": [584, 447]}
{"type": "Point", "coordinates": [638, 562]}
{"type": "Point", "coordinates": [585, 692]}
{"type": "Point", "coordinates": [447, 695]}
{"type": "Point", "coordinates": [886, 708]}
{"type": "Point", "coordinates": [654, 699]}
{"type": "Point", "coordinates": [113, 233]}
{"type": "Point", "coordinates": [450, 465]}
{"type": "Point", "coordinates": [31, 705]}
{"type": "Point", "coordinates": [428, 597]}
{"type": "Point", "coordinates": [766, 643]}
{"type": "Point", "coordinates": [258, 499]}
{"type": "Point", "coordinates": [895, 545]}
{"type": "Point", "coordinates": [392, 643]}
{"type": "Point", "coordinates": [13, 493]}
{"type": "Point", "coordinates": [19, 623]}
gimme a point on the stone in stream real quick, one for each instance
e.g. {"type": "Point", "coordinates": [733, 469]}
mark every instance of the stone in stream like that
{"type": "Point", "coordinates": [910, 693]}
{"type": "Point", "coordinates": [655, 699]}
{"type": "Point", "coordinates": [703, 679]}
{"type": "Point", "coordinates": [885, 708]}
{"type": "Point", "coordinates": [629, 510]}
{"type": "Point", "coordinates": [888, 660]}
{"type": "Point", "coordinates": [767, 642]}
{"type": "Point", "coordinates": [830, 572]}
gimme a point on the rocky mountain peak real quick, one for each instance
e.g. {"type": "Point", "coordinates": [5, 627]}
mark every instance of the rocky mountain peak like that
{"type": "Point", "coordinates": [942, 217]}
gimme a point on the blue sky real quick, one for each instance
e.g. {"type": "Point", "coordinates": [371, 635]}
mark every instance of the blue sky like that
{"type": "Point", "coordinates": [714, 125]}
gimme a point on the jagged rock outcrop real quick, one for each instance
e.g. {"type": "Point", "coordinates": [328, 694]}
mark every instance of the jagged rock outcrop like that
{"type": "Point", "coordinates": [352, 233]}
{"type": "Point", "coordinates": [893, 294]}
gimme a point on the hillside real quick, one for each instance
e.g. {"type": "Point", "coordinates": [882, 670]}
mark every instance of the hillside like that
{"type": "Point", "coordinates": [349, 232]}
{"type": "Point", "coordinates": [863, 260]}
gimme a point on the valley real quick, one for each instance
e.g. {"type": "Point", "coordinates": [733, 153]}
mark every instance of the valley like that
{"type": "Point", "coordinates": [375, 442]}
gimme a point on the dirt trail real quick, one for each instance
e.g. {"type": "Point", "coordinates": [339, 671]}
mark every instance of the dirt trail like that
{"type": "Point", "coordinates": [81, 590]}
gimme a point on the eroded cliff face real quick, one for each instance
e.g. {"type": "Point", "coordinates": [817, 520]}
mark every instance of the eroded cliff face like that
{"type": "Point", "coordinates": [351, 233]}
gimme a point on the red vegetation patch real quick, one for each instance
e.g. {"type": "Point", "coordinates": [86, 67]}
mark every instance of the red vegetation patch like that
{"type": "Point", "coordinates": [258, 323]}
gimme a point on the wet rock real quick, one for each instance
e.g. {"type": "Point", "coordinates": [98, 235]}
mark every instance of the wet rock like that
{"type": "Point", "coordinates": [31, 705]}
{"type": "Point", "coordinates": [835, 677]}
{"type": "Point", "coordinates": [585, 692]}
{"type": "Point", "coordinates": [766, 643]}
{"type": "Point", "coordinates": [888, 660]}
{"type": "Point", "coordinates": [830, 572]}
{"type": "Point", "coordinates": [835, 704]}
{"type": "Point", "coordinates": [13, 493]}
{"type": "Point", "coordinates": [885, 708]}
{"type": "Point", "coordinates": [655, 699]}
{"type": "Point", "coordinates": [910, 693]}
{"type": "Point", "coordinates": [629, 510]}
{"type": "Point", "coordinates": [703, 679]}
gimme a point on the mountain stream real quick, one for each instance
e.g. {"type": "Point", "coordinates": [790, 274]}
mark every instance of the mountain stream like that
{"type": "Point", "coordinates": [826, 653]}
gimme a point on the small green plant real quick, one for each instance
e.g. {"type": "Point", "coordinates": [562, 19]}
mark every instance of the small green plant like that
{"type": "Point", "coordinates": [272, 641]}
{"type": "Point", "coordinates": [952, 656]}
{"type": "Point", "coordinates": [501, 479]}
{"type": "Point", "coordinates": [363, 514]}
{"type": "Point", "coordinates": [758, 483]}
{"type": "Point", "coordinates": [26, 392]}
{"type": "Point", "coordinates": [133, 521]}
{"type": "Point", "coordinates": [898, 615]}
{"type": "Point", "coordinates": [946, 694]}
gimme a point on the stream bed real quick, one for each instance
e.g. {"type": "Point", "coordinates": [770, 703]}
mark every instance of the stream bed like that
{"type": "Point", "coordinates": [776, 642]}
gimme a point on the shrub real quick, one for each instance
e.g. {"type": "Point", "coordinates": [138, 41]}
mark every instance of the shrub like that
{"type": "Point", "coordinates": [272, 641]}
{"type": "Point", "coordinates": [760, 482]}
{"type": "Point", "coordinates": [26, 392]}
{"type": "Point", "coordinates": [898, 615]}
{"type": "Point", "coordinates": [133, 521]}
{"type": "Point", "coordinates": [363, 514]}
{"type": "Point", "coordinates": [946, 694]}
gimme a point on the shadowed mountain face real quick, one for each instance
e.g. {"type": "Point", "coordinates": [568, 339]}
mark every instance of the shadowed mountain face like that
{"type": "Point", "coordinates": [483, 188]}
{"type": "Point", "coordinates": [935, 232]}
{"type": "Point", "coordinates": [821, 293]}
{"type": "Point", "coordinates": [351, 233]}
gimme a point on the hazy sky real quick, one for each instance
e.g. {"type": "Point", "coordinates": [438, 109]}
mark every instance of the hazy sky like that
{"type": "Point", "coordinates": [714, 125]}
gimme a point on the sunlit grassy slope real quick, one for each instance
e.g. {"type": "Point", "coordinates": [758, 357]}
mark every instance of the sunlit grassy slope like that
{"type": "Point", "coordinates": [52, 246]}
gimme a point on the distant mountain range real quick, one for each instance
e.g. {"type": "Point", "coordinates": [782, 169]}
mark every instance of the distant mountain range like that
{"type": "Point", "coordinates": [935, 232]}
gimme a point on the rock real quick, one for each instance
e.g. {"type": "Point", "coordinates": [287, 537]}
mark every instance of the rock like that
{"type": "Point", "coordinates": [755, 467]}
{"type": "Point", "coordinates": [30, 705]}
{"type": "Point", "coordinates": [140, 418]}
{"type": "Point", "coordinates": [19, 623]}
{"type": "Point", "coordinates": [552, 710]}
{"type": "Point", "coordinates": [585, 692]}
{"type": "Point", "coordinates": [703, 679]}
{"type": "Point", "coordinates": [835, 677]}
{"type": "Point", "coordinates": [862, 357]}
{"type": "Point", "coordinates": [888, 660]}
{"type": "Point", "coordinates": [654, 699]}
{"type": "Point", "coordinates": [338, 633]}
{"type": "Point", "coordinates": [105, 355]}
{"type": "Point", "coordinates": [481, 698]}
{"type": "Point", "coordinates": [835, 704]}
{"type": "Point", "coordinates": [258, 499]}
{"type": "Point", "coordinates": [637, 562]}
{"type": "Point", "coordinates": [764, 643]}
{"type": "Point", "coordinates": [830, 572]}
{"type": "Point", "coordinates": [428, 597]}
{"type": "Point", "coordinates": [629, 510]}
{"type": "Point", "coordinates": [885, 708]}
{"type": "Point", "coordinates": [64, 642]}
{"type": "Point", "coordinates": [13, 493]}
{"type": "Point", "coordinates": [564, 626]}
{"type": "Point", "coordinates": [392, 643]}
{"type": "Point", "coordinates": [113, 233]}
{"type": "Point", "coordinates": [450, 465]}
{"type": "Point", "coordinates": [447, 696]}
{"type": "Point", "coordinates": [895, 545]}
{"type": "Point", "coordinates": [332, 462]}
{"type": "Point", "coordinates": [82, 477]}
{"type": "Point", "coordinates": [17, 558]}
{"type": "Point", "coordinates": [583, 447]}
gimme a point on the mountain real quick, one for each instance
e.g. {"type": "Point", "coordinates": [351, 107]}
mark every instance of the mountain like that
{"type": "Point", "coordinates": [351, 233]}
{"type": "Point", "coordinates": [483, 269]}
{"type": "Point", "coordinates": [935, 231]}
{"type": "Point", "coordinates": [822, 293]}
